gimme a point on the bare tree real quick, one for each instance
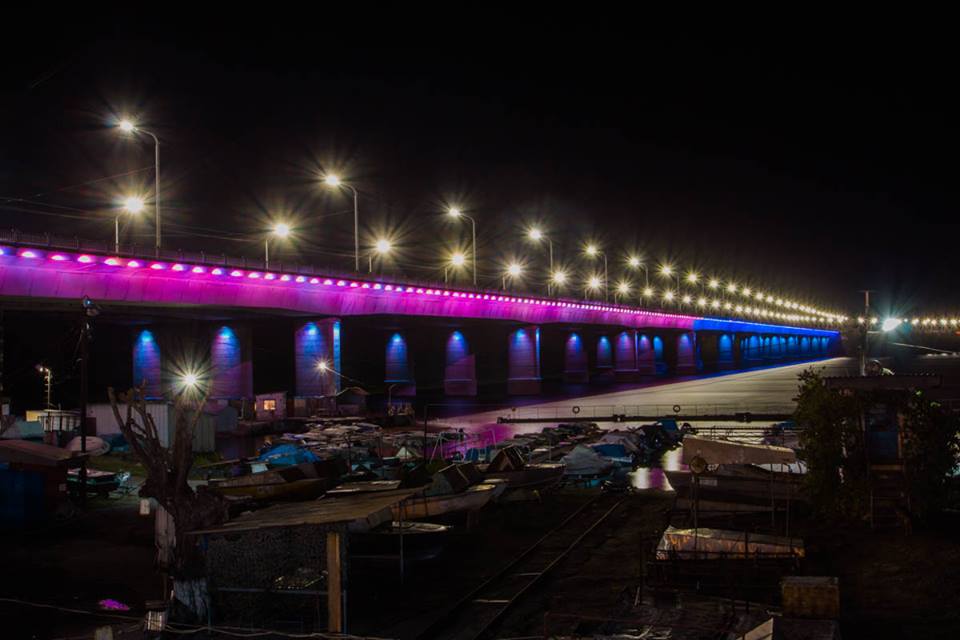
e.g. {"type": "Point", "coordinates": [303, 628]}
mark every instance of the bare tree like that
{"type": "Point", "coordinates": [168, 467]}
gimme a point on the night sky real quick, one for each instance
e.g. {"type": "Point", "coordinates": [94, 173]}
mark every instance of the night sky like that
{"type": "Point", "coordinates": [814, 171]}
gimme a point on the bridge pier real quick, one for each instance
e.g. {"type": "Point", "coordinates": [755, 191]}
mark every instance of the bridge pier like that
{"type": "Point", "coordinates": [231, 366]}
{"type": "Point", "coordinates": [603, 364]}
{"type": "Point", "coordinates": [460, 370]}
{"type": "Point", "coordinates": [626, 366]}
{"type": "Point", "coordinates": [314, 342]}
{"type": "Point", "coordinates": [686, 354]}
{"type": "Point", "coordinates": [148, 363]}
{"type": "Point", "coordinates": [523, 361]}
{"type": "Point", "coordinates": [399, 370]}
{"type": "Point", "coordinates": [576, 362]}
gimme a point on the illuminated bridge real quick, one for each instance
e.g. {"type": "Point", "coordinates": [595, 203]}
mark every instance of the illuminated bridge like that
{"type": "Point", "coordinates": [400, 334]}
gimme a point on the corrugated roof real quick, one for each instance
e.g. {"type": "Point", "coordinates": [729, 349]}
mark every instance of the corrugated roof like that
{"type": "Point", "coordinates": [323, 511]}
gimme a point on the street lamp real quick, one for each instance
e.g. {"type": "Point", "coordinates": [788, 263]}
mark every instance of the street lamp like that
{"type": "Point", "coordinates": [131, 205]}
{"type": "Point", "coordinates": [514, 271]}
{"type": "Point", "coordinates": [593, 284]}
{"type": "Point", "coordinates": [281, 230]}
{"type": "Point", "coordinates": [130, 127]}
{"type": "Point", "coordinates": [333, 181]}
{"type": "Point", "coordinates": [636, 263]}
{"type": "Point", "coordinates": [667, 272]}
{"type": "Point", "coordinates": [457, 260]}
{"type": "Point", "coordinates": [592, 251]}
{"type": "Point", "coordinates": [558, 278]}
{"type": "Point", "coordinates": [536, 235]}
{"type": "Point", "coordinates": [454, 212]}
{"type": "Point", "coordinates": [382, 248]}
{"type": "Point", "coordinates": [623, 289]}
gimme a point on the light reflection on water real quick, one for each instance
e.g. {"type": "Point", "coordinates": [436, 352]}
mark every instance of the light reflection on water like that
{"type": "Point", "coordinates": [654, 477]}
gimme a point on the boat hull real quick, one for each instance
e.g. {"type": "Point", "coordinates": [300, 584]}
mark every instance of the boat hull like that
{"type": "Point", "coordinates": [418, 507]}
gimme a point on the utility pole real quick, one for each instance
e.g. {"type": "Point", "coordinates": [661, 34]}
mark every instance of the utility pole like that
{"type": "Point", "coordinates": [864, 338]}
{"type": "Point", "coordinates": [90, 311]}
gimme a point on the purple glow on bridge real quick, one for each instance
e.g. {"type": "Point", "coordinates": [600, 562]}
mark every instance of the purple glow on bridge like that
{"type": "Point", "coordinates": [72, 277]}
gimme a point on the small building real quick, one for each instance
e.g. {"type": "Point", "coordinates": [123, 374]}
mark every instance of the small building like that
{"type": "Point", "coordinates": [104, 423]}
{"type": "Point", "coordinates": [33, 481]}
{"type": "Point", "coordinates": [288, 560]}
{"type": "Point", "coordinates": [269, 407]}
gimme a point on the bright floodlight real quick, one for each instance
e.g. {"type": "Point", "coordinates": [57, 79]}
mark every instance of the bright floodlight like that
{"type": "Point", "coordinates": [453, 212]}
{"type": "Point", "coordinates": [458, 259]}
{"type": "Point", "coordinates": [666, 270]}
{"type": "Point", "coordinates": [281, 230]}
{"type": "Point", "coordinates": [668, 295]}
{"type": "Point", "coordinates": [332, 180]}
{"type": "Point", "coordinates": [731, 288]}
{"type": "Point", "coordinates": [559, 277]}
{"type": "Point", "coordinates": [514, 269]}
{"type": "Point", "coordinates": [686, 299]}
{"type": "Point", "coordinates": [383, 246]}
{"type": "Point", "coordinates": [535, 234]}
{"type": "Point", "coordinates": [692, 277]}
{"type": "Point", "coordinates": [190, 380]}
{"type": "Point", "coordinates": [591, 249]}
{"type": "Point", "coordinates": [634, 262]}
{"type": "Point", "coordinates": [891, 323]}
{"type": "Point", "coordinates": [594, 282]}
{"type": "Point", "coordinates": [746, 291]}
{"type": "Point", "coordinates": [127, 126]}
{"type": "Point", "coordinates": [648, 292]}
{"type": "Point", "coordinates": [623, 288]}
{"type": "Point", "coordinates": [322, 366]}
{"type": "Point", "coordinates": [133, 204]}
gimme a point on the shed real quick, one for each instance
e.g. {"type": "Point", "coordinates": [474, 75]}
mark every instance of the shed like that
{"type": "Point", "coordinates": [33, 481]}
{"type": "Point", "coordinates": [271, 406]}
{"type": "Point", "coordinates": [288, 559]}
{"type": "Point", "coordinates": [204, 436]}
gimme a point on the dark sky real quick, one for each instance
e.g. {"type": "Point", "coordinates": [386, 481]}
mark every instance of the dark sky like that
{"type": "Point", "coordinates": [810, 169]}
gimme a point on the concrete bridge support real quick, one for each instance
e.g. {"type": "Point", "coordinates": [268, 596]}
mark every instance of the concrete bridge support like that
{"type": "Point", "coordinates": [316, 342]}
{"type": "Point", "coordinates": [686, 354]}
{"type": "Point", "coordinates": [231, 363]}
{"type": "Point", "coordinates": [460, 371]}
{"type": "Point", "coordinates": [399, 367]}
{"type": "Point", "coordinates": [625, 357]}
{"type": "Point", "coordinates": [523, 361]}
{"type": "Point", "coordinates": [148, 363]}
{"type": "Point", "coordinates": [576, 361]}
{"type": "Point", "coordinates": [603, 362]}
{"type": "Point", "coordinates": [646, 358]}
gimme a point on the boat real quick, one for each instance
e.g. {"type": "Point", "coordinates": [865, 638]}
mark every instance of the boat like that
{"type": "Point", "coordinates": [420, 541]}
{"type": "Point", "coordinates": [738, 487]}
{"type": "Point", "coordinates": [524, 480]}
{"type": "Point", "coordinates": [421, 506]}
{"type": "Point", "coordinates": [585, 465]}
{"type": "Point", "coordinates": [705, 543]}
{"type": "Point", "coordinates": [299, 482]}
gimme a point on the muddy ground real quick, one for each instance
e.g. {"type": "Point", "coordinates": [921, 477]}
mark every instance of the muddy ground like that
{"type": "Point", "coordinates": [892, 586]}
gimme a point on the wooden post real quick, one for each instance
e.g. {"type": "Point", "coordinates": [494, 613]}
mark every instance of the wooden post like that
{"type": "Point", "coordinates": [334, 600]}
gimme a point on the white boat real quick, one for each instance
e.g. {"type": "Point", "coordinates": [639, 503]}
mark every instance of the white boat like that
{"type": "Point", "coordinates": [423, 506]}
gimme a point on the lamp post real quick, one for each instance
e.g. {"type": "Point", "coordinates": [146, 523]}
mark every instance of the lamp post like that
{"type": "Point", "coordinates": [536, 235]}
{"type": "Point", "coordinates": [593, 251]}
{"type": "Point", "coordinates": [593, 284]}
{"type": "Point", "coordinates": [513, 272]}
{"type": "Point", "coordinates": [281, 230]}
{"type": "Point", "coordinates": [128, 126]}
{"type": "Point", "coordinates": [131, 205]}
{"type": "Point", "coordinates": [454, 212]}
{"type": "Point", "coordinates": [457, 260]}
{"type": "Point", "coordinates": [635, 263]}
{"type": "Point", "coordinates": [332, 180]}
{"type": "Point", "coordinates": [622, 291]}
{"type": "Point", "coordinates": [382, 248]}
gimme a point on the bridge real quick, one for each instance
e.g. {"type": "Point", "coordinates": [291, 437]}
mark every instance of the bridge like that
{"type": "Point", "coordinates": [395, 333]}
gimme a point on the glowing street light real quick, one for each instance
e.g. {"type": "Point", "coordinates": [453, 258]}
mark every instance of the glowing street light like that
{"type": "Point", "coordinates": [593, 251]}
{"type": "Point", "coordinates": [732, 287]}
{"type": "Point", "coordinates": [381, 248]}
{"type": "Point", "coordinates": [536, 235]}
{"type": "Point", "coordinates": [454, 212]}
{"type": "Point", "coordinates": [693, 277]}
{"type": "Point", "coordinates": [648, 292]}
{"type": "Point", "coordinates": [514, 270]}
{"type": "Point", "coordinates": [280, 230]}
{"type": "Point", "coordinates": [131, 128]}
{"type": "Point", "coordinates": [714, 283]}
{"type": "Point", "coordinates": [635, 263]}
{"type": "Point", "coordinates": [333, 181]}
{"type": "Point", "coordinates": [457, 260]}
{"type": "Point", "coordinates": [132, 205]}
{"type": "Point", "coordinates": [593, 284]}
{"type": "Point", "coordinates": [559, 278]}
{"type": "Point", "coordinates": [623, 289]}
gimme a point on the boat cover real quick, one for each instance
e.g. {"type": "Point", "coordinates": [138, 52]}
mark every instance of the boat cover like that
{"type": "Point", "coordinates": [726, 542]}
{"type": "Point", "coordinates": [584, 461]}
{"type": "Point", "coordinates": [727, 452]}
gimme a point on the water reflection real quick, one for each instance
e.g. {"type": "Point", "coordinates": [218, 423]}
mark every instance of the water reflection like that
{"type": "Point", "coordinates": [653, 477]}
